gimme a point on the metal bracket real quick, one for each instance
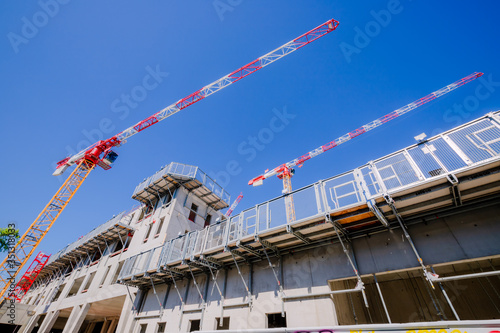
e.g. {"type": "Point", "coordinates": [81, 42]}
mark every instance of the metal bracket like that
{"type": "Point", "coordinates": [237, 253]}
{"type": "Point", "coordinates": [372, 205]}
{"type": "Point", "coordinates": [338, 227]}
{"type": "Point", "coordinates": [172, 270]}
{"type": "Point", "coordinates": [454, 190]}
{"type": "Point", "coordinates": [268, 245]}
{"type": "Point", "coordinates": [213, 260]}
{"type": "Point", "coordinates": [249, 249]}
{"type": "Point", "coordinates": [297, 234]}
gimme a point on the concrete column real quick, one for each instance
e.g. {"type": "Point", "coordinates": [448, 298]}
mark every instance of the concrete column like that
{"type": "Point", "coordinates": [49, 321]}
{"type": "Point", "coordinates": [72, 316]}
{"type": "Point", "coordinates": [77, 320]}
{"type": "Point", "coordinates": [30, 325]}
{"type": "Point", "coordinates": [127, 316]}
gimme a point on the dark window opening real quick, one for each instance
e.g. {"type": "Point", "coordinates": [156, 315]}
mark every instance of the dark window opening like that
{"type": "Point", "coordinates": [117, 272]}
{"type": "Point", "coordinates": [208, 219]}
{"type": "Point", "coordinates": [97, 256]}
{"type": "Point", "coordinates": [89, 282]}
{"type": "Point", "coordinates": [160, 226]}
{"type": "Point", "coordinates": [161, 327]}
{"type": "Point", "coordinates": [59, 291]}
{"type": "Point", "coordinates": [76, 286]}
{"type": "Point", "coordinates": [119, 246]}
{"type": "Point", "coordinates": [275, 320]}
{"type": "Point", "coordinates": [143, 328]}
{"type": "Point", "coordinates": [192, 213]}
{"type": "Point", "coordinates": [225, 324]}
{"type": "Point", "coordinates": [194, 325]}
{"type": "Point", "coordinates": [150, 226]}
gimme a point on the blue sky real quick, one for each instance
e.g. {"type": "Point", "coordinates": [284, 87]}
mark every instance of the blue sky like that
{"type": "Point", "coordinates": [64, 76]}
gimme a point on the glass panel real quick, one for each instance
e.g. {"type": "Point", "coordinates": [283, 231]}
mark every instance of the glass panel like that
{"type": "Point", "coordinates": [305, 203]}
{"type": "Point", "coordinates": [478, 141]}
{"type": "Point", "coordinates": [396, 171]}
{"type": "Point", "coordinates": [277, 213]}
{"type": "Point", "coordinates": [200, 241]}
{"type": "Point", "coordinates": [422, 155]}
{"type": "Point", "coordinates": [165, 253]}
{"type": "Point", "coordinates": [370, 180]}
{"type": "Point", "coordinates": [263, 217]}
{"type": "Point", "coordinates": [215, 236]}
{"type": "Point", "coordinates": [249, 222]}
{"type": "Point", "coordinates": [341, 191]}
{"type": "Point", "coordinates": [176, 249]}
{"type": "Point", "coordinates": [234, 226]}
{"type": "Point", "coordinates": [447, 155]}
{"type": "Point", "coordinates": [191, 242]}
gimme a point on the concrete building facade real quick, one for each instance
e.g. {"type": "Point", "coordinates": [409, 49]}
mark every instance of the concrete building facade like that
{"type": "Point", "coordinates": [409, 239]}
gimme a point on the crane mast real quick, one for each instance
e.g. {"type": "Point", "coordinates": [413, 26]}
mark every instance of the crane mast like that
{"type": "Point", "coordinates": [100, 154]}
{"type": "Point", "coordinates": [286, 171]}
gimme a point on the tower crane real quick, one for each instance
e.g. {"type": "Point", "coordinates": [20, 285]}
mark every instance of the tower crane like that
{"type": "Point", "coordinates": [235, 203]}
{"type": "Point", "coordinates": [101, 153]}
{"type": "Point", "coordinates": [285, 171]}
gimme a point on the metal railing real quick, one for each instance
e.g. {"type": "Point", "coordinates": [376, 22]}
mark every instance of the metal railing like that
{"type": "Point", "coordinates": [459, 149]}
{"type": "Point", "coordinates": [98, 230]}
{"type": "Point", "coordinates": [185, 171]}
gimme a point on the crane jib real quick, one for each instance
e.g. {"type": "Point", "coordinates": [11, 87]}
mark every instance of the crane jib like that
{"type": "Point", "coordinates": [209, 89]}
{"type": "Point", "coordinates": [375, 123]}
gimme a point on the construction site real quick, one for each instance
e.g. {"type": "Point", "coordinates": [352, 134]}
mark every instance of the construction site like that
{"type": "Point", "coordinates": [406, 242]}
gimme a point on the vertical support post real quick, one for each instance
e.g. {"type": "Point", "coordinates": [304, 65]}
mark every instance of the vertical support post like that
{"type": "Point", "coordinates": [382, 299]}
{"type": "Point", "coordinates": [391, 204]}
{"type": "Point", "coordinates": [447, 298]}
{"type": "Point", "coordinates": [379, 179]}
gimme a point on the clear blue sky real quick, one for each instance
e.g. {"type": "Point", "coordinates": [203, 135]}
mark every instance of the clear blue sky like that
{"type": "Point", "coordinates": [63, 76]}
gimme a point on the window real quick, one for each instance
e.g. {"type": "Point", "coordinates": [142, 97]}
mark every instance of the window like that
{"type": "Point", "coordinates": [194, 325]}
{"type": "Point", "coordinates": [161, 327]}
{"type": "Point", "coordinates": [117, 272]}
{"type": "Point", "coordinates": [89, 282]}
{"type": "Point", "coordinates": [95, 259]}
{"type": "Point", "coordinates": [225, 324]}
{"type": "Point", "coordinates": [118, 246]}
{"type": "Point", "coordinates": [150, 226]}
{"type": "Point", "coordinates": [61, 288]}
{"type": "Point", "coordinates": [208, 219]}
{"type": "Point", "coordinates": [76, 286]}
{"type": "Point", "coordinates": [275, 320]}
{"type": "Point", "coordinates": [160, 226]}
{"type": "Point", "coordinates": [192, 213]}
{"type": "Point", "coordinates": [105, 276]}
{"type": "Point", "coordinates": [142, 328]}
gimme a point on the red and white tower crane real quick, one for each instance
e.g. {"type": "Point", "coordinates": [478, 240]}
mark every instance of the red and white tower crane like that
{"type": "Point", "coordinates": [285, 171]}
{"type": "Point", "coordinates": [100, 153]}
{"type": "Point", "coordinates": [235, 203]}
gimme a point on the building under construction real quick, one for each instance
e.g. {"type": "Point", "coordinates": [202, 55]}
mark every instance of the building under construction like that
{"type": "Point", "coordinates": [407, 242]}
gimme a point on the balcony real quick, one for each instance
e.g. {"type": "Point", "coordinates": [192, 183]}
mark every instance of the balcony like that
{"type": "Point", "coordinates": [191, 177]}
{"type": "Point", "coordinates": [455, 169]}
{"type": "Point", "coordinates": [96, 240]}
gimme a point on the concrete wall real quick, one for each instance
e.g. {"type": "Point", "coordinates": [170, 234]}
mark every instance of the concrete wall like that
{"type": "Point", "coordinates": [456, 238]}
